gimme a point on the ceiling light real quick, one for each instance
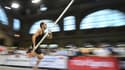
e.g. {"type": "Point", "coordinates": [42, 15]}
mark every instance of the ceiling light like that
{"type": "Point", "coordinates": [6, 7]}
{"type": "Point", "coordinates": [15, 5]}
{"type": "Point", "coordinates": [36, 1]}
{"type": "Point", "coordinates": [43, 7]}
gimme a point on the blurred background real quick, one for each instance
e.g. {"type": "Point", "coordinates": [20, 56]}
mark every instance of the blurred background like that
{"type": "Point", "coordinates": [88, 28]}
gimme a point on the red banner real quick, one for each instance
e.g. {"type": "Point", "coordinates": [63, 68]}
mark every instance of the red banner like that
{"type": "Point", "coordinates": [93, 63]}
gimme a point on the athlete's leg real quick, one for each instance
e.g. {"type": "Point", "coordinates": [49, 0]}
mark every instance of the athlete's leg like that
{"type": "Point", "coordinates": [39, 58]}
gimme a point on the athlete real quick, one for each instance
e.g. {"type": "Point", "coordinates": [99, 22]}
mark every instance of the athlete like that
{"type": "Point", "coordinates": [35, 39]}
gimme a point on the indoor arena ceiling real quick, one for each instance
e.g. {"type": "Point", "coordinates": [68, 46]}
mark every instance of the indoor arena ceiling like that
{"type": "Point", "coordinates": [28, 8]}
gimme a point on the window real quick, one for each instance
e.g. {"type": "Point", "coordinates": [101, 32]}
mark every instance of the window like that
{"type": "Point", "coordinates": [3, 17]}
{"type": "Point", "coordinates": [16, 24]}
{"type": "Point", "coordinates": [50, 25]}
{"type": "Point", "coordinates": [69, 23]}
{"type": "Point", "coordinates": [103, 18]}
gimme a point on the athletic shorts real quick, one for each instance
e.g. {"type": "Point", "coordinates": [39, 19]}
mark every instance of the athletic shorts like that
{"type": "Point", "coordinates": [37, 51]}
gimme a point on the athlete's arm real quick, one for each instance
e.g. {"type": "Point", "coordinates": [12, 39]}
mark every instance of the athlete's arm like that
{"type": "Point", "coordinates": [34, 37]}
{"type": "Point", "coordinates": [50, 35]}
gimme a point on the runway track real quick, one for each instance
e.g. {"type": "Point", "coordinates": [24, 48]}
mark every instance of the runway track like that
{"type": "Point", "coordinates": [16, 68]}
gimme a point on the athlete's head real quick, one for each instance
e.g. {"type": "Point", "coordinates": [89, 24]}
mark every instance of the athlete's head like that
{"type": "Point", "coordinates": [43, 25]}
